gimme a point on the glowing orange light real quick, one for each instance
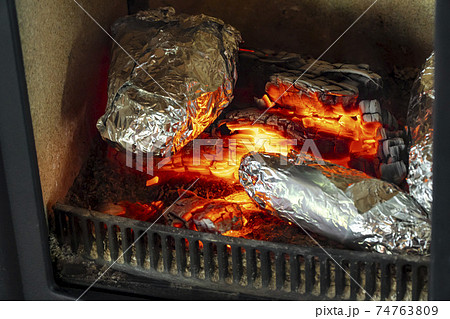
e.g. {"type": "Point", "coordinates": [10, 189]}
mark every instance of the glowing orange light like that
{"type": "Point", "coordinates": [267, 101]}
{"type": "Point", "coordinates": [337, 120]}
{"type": "Point", "coordinates": [153, 181]}
{"type": "Point", "coordinates": [137, 210]}
{"type": "Point", "coordinates": [246, 50]}
{"type": "Point", "coordinates": [243, 138]}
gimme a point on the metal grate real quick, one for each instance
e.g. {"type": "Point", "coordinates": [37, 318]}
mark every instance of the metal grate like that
{"type": "Point", "coordinates": [250, 267]}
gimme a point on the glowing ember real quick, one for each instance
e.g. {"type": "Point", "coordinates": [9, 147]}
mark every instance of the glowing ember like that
{"type": "Point", "coordinates": [267, 101]}
{"type": "Point", "coordinates": [342, 122]}
{"type": "Point", "coordinates": [152, 181]}
{"type": "Point", "coordinates": [221, 159]}
{"type": "Point", "coordinates": [137, 210]}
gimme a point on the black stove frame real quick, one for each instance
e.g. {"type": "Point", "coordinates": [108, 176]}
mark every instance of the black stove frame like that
{"type": "Point", "coordinates": [25, 264]}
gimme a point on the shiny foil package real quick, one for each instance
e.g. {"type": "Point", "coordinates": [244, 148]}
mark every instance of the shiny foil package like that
{"type": "Point", "coordinates": [419, 119]}
{"type": "Point", "coordinates": [170, 77]}
{"type": "Point", "coordinates": [339, 203]}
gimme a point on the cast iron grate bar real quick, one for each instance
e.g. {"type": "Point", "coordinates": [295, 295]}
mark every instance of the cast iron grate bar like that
{"type": "Point", "coordinates": [194, 255]}
{"type": "Point", "coordinates": [140, 251]}
{"type": "Point", "coordinates": [236, 258]}
{"type": "Point", "coordinates": [208, 260]}
{"type": "Point", "coordinates": [280, 274]}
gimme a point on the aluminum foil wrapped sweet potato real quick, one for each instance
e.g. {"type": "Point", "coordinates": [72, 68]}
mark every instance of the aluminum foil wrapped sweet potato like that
{"type": "Point", "coordinates": [420, 175]}
{"type": "Point", "coordinates": [340, 203]}
{"type": "Point", "coordinates": [169, 79]}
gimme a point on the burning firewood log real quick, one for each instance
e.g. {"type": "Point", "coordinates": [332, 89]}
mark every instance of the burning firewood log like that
{"type": "Point", "coordinates": [252, 116]}
{"type": "Point", "coordinates": [338, 82]}
{"type": "Point", "coordinates": [339, 99]}
{"type": "Point", "coordinates": [207, 215]}
{"type": "Point", "coordinates": [387, 163]}
{"type": "Point", "coordinates": [329, 146]}
{"type": "Point", "coordinates": [372, 111]}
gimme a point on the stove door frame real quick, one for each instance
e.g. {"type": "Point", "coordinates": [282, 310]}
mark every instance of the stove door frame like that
{"type": "Point", "coordinates": [440, 256]}
{"type": "Point", "coordinates": [27, 247]}
{"type": "Point", "coordinates": [25, 265]}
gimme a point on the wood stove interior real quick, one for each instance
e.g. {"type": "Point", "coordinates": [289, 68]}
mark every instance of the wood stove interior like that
{"type": "Point", "coordinates": [77, 168]}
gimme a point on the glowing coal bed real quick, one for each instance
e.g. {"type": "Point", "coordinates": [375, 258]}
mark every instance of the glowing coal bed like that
{"type": "Point", "coordinates": [335, 107]}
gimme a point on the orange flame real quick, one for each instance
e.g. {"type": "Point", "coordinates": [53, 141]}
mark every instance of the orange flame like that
{"type": "Point", "coordinates": [152, 181]}
{"type": "Point", "coordinates": [222, 161]}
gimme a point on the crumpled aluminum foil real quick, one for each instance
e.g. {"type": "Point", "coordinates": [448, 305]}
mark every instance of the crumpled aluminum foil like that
{"type": "Point", "coordinates": [419, 120]}
{"type": "Point", "coordinates": [175, 78]}
{"type": "Point", "coordinates": [340, 203]}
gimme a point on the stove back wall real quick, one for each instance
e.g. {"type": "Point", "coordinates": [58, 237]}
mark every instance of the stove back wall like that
{"type": "Point", "coordinates": [392, 33]}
